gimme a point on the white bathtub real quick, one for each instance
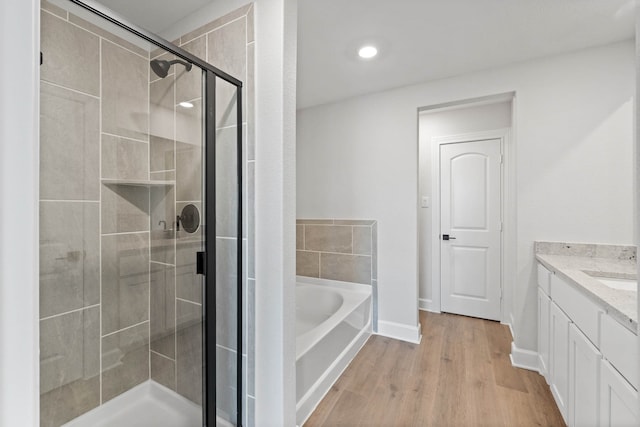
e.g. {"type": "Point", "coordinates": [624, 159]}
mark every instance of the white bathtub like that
{"type": "Point", "coordinates": [333, 321]}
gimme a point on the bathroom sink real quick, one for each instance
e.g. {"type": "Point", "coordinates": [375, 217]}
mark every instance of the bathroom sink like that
{"type": "Point", "coordinates": [618, 283]}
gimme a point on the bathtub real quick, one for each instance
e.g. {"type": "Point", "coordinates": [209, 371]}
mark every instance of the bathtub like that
{"type": "Point", "coordinates": [333, 321]}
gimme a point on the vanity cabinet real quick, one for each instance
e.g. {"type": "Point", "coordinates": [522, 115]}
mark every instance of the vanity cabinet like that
{"type": "Point", "coordinates": [584, 379]}
{"type": "Point", "coordinates": [618, 400]}
{"type": "Point", "coordinates": [589, 359]}
{"type": "Point", "coordinates": [544, 305]}
{"type": "Point", "coordinates": [559, 357]}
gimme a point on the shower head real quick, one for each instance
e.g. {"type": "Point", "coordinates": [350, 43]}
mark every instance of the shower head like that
{"type": "Point", "coordinates": [161, 66]}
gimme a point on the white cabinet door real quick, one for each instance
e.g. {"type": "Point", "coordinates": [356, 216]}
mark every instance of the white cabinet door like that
{"type": "Point", "coordinates": [618, 400]}
{"type": "Point", "coordinates": [584, 380]}
{"type": "Point", "coordinates": [544, 303]}
{"type": "Point", "coordinates": [559, 357]}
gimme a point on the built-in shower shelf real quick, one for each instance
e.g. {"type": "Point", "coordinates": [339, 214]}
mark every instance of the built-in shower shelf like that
{"type": "Point", "coordinates": [137, 182]}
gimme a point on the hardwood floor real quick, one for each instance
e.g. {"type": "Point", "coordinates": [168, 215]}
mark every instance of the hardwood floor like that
{"type": "Point", "coordinates": [460, 375]}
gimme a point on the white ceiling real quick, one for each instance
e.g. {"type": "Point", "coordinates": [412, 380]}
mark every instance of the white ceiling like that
{"type": "Point", "coordinates": [418, 40]}
{"type": "Point", "coordinates": [422, 40]}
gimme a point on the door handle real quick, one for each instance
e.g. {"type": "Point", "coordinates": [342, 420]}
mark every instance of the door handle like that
{"type": "Point", "coordinates": [447, 237]}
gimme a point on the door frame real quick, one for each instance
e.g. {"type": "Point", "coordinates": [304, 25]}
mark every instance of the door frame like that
{"type": "Point", "coordinates": [507, 212]}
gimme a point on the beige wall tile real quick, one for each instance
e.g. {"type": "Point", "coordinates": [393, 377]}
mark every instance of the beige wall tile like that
{"type": "Point", "coordinates": [124, 158]}
{"type": "Point", "coordinates": [69, 256]}
{"type": "Point", "coordinates": [124, 208]}
{"type": "Point", "coordinates": [69, 145]}
{"type": "Point", "coordinates": [250, 92]}
{"type": "Point", "coordinates": [189, 368]}
{"type": "Point", "coordinates": [65, 403]}
{"type": "Point", "coordinates": [250, 25]}
{"type": "Point", "coordinates": [109, 35]}
{"type": "Point", "coordinates": [226, 292]}
{"type": "Point", "coordinates": [69, 348]}
{"type": "Point", "coordinates": [162, 309]}
{"type": "Point", "coordinates": [215, 24]}
{"type": "Point", "coordinates": [161, 107]}
{"type": "Point", "coordinates": [69, 366]}
{"type": "Point", "coordinates": [362, 240]}
{"type": "Point", "coordinates": [353, 222]}
{"type": "Point", "coordinates": [347, 268]}
{"type": "Point", "coordinates": [70, 55]}
{"type": "Point", "coordinates": [226, 103]}
{"type": "Point", "coordinates": [188, 283]}
{"type": "Point", "coordinates": [162, 154]}
{"type": "Point", "coordinates": [189, 124]}
{"type": "Point", "coordinates": [125, 281]}
{"type": "Point", "coordinates": [230, 55]}
{"type": "Point", "coordinates": [226, 183]}
{"type": "Point", "coordinates": [189, 83]}
{"type": "Point", "coordinates": [315, 221]}
{"type": "Point", "coordinates": [163, 371]}
{"type": "Point", "coordinates": [125, 88]}
{"type": "Point", "coordinates": [374, 251]}
{"type": "Point", "coordinates": [163, 224]}
{"type": "Point", "coordinates": [125, 360]}
{"type": "Point", "coordinates": [308, 264]}
{"type": "Point", "coordinates": [188, 172]}
{"type": "Point", "coordinates": [45, 5]}
{"type": "Point", "coordinates": [250, 218]}
{"type": "Point", "coordinates": [226, 380]}
{"type": "Point", "coordinates": [328, 238]}
{"type": "Point", "coordinates": [299, 236]}
{"type": "Point", "coordinates": [163, 176]}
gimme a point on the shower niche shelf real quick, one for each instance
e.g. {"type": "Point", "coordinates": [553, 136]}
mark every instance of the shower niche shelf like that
{"type": "Point", "coordinates": [138, 182]}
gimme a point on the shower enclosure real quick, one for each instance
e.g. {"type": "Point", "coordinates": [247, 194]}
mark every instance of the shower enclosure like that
{"type": "Point", "coordinates": [140, 227]}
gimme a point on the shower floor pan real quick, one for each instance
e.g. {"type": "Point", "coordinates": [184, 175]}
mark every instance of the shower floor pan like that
{"type": "Point", "coordinates": [146, 405]}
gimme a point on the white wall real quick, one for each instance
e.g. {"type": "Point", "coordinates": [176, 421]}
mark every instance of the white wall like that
{"type": "Point", "coordinates": [19, 117]}
{"type": "Point", "coordinates": [442, 123]}
{"type": "Point", "coordinates": [573, 139]}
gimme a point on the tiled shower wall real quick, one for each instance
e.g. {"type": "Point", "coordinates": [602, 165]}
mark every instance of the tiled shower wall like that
{"type": "Point", "coordinates": [94, 238]}
{"type": "Point", "coordinates": [339, 249]}
{"type": "Point", "coordinates": [119, 300]}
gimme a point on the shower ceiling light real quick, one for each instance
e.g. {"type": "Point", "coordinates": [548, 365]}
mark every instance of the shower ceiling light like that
{"type": "Point", "coordinates": [185, 104]}
{"type": "Point", "coordinates": [367, 52]}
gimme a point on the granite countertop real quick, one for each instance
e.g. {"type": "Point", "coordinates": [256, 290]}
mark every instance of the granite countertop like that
{"type": "Point", "coordinates": [578, 263]}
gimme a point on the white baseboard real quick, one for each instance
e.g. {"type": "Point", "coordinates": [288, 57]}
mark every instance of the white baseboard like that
{"type": "Point", "coordinates": [525, 359]}
{"type": "Point", "coordinates": [427, 305]}
{"type": "Point", "coordinates": [400, 331]}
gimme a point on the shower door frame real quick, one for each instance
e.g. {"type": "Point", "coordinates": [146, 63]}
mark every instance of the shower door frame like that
{"type": "Point", "coordinates": [208, 269]}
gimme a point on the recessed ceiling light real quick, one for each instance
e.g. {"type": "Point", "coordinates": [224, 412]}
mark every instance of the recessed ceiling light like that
{"type": "Point", "coordinates": [367, 52]}
{"type": "Point", "coordinates": [186, 104]}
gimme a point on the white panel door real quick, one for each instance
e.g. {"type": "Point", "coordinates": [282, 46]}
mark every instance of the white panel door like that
{"type": "Point", "coordinates": [470, 227]}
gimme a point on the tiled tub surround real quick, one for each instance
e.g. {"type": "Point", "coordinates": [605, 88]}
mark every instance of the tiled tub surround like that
{"type": "Point", "coordinates": [571, 261]}
{"type": "Point", "coordinates": [120, 302]}
{"type": "Point", "coordinates": [344, 250]}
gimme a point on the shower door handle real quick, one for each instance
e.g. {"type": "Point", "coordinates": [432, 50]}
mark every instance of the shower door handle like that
{"type": "Point", "coordinates": [200, 263]}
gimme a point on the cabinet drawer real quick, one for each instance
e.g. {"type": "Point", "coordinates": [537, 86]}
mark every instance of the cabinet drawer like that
{"type": "Point", "coordinates": [544, 278]}
{"type": "Point", "coordinates": [619, 346]}
{"type": "Point", "coordinates": [580, 309]}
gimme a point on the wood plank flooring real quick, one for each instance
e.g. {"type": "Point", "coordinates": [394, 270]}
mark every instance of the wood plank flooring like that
{"type": "Point", "coordinates": [459, 376]}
